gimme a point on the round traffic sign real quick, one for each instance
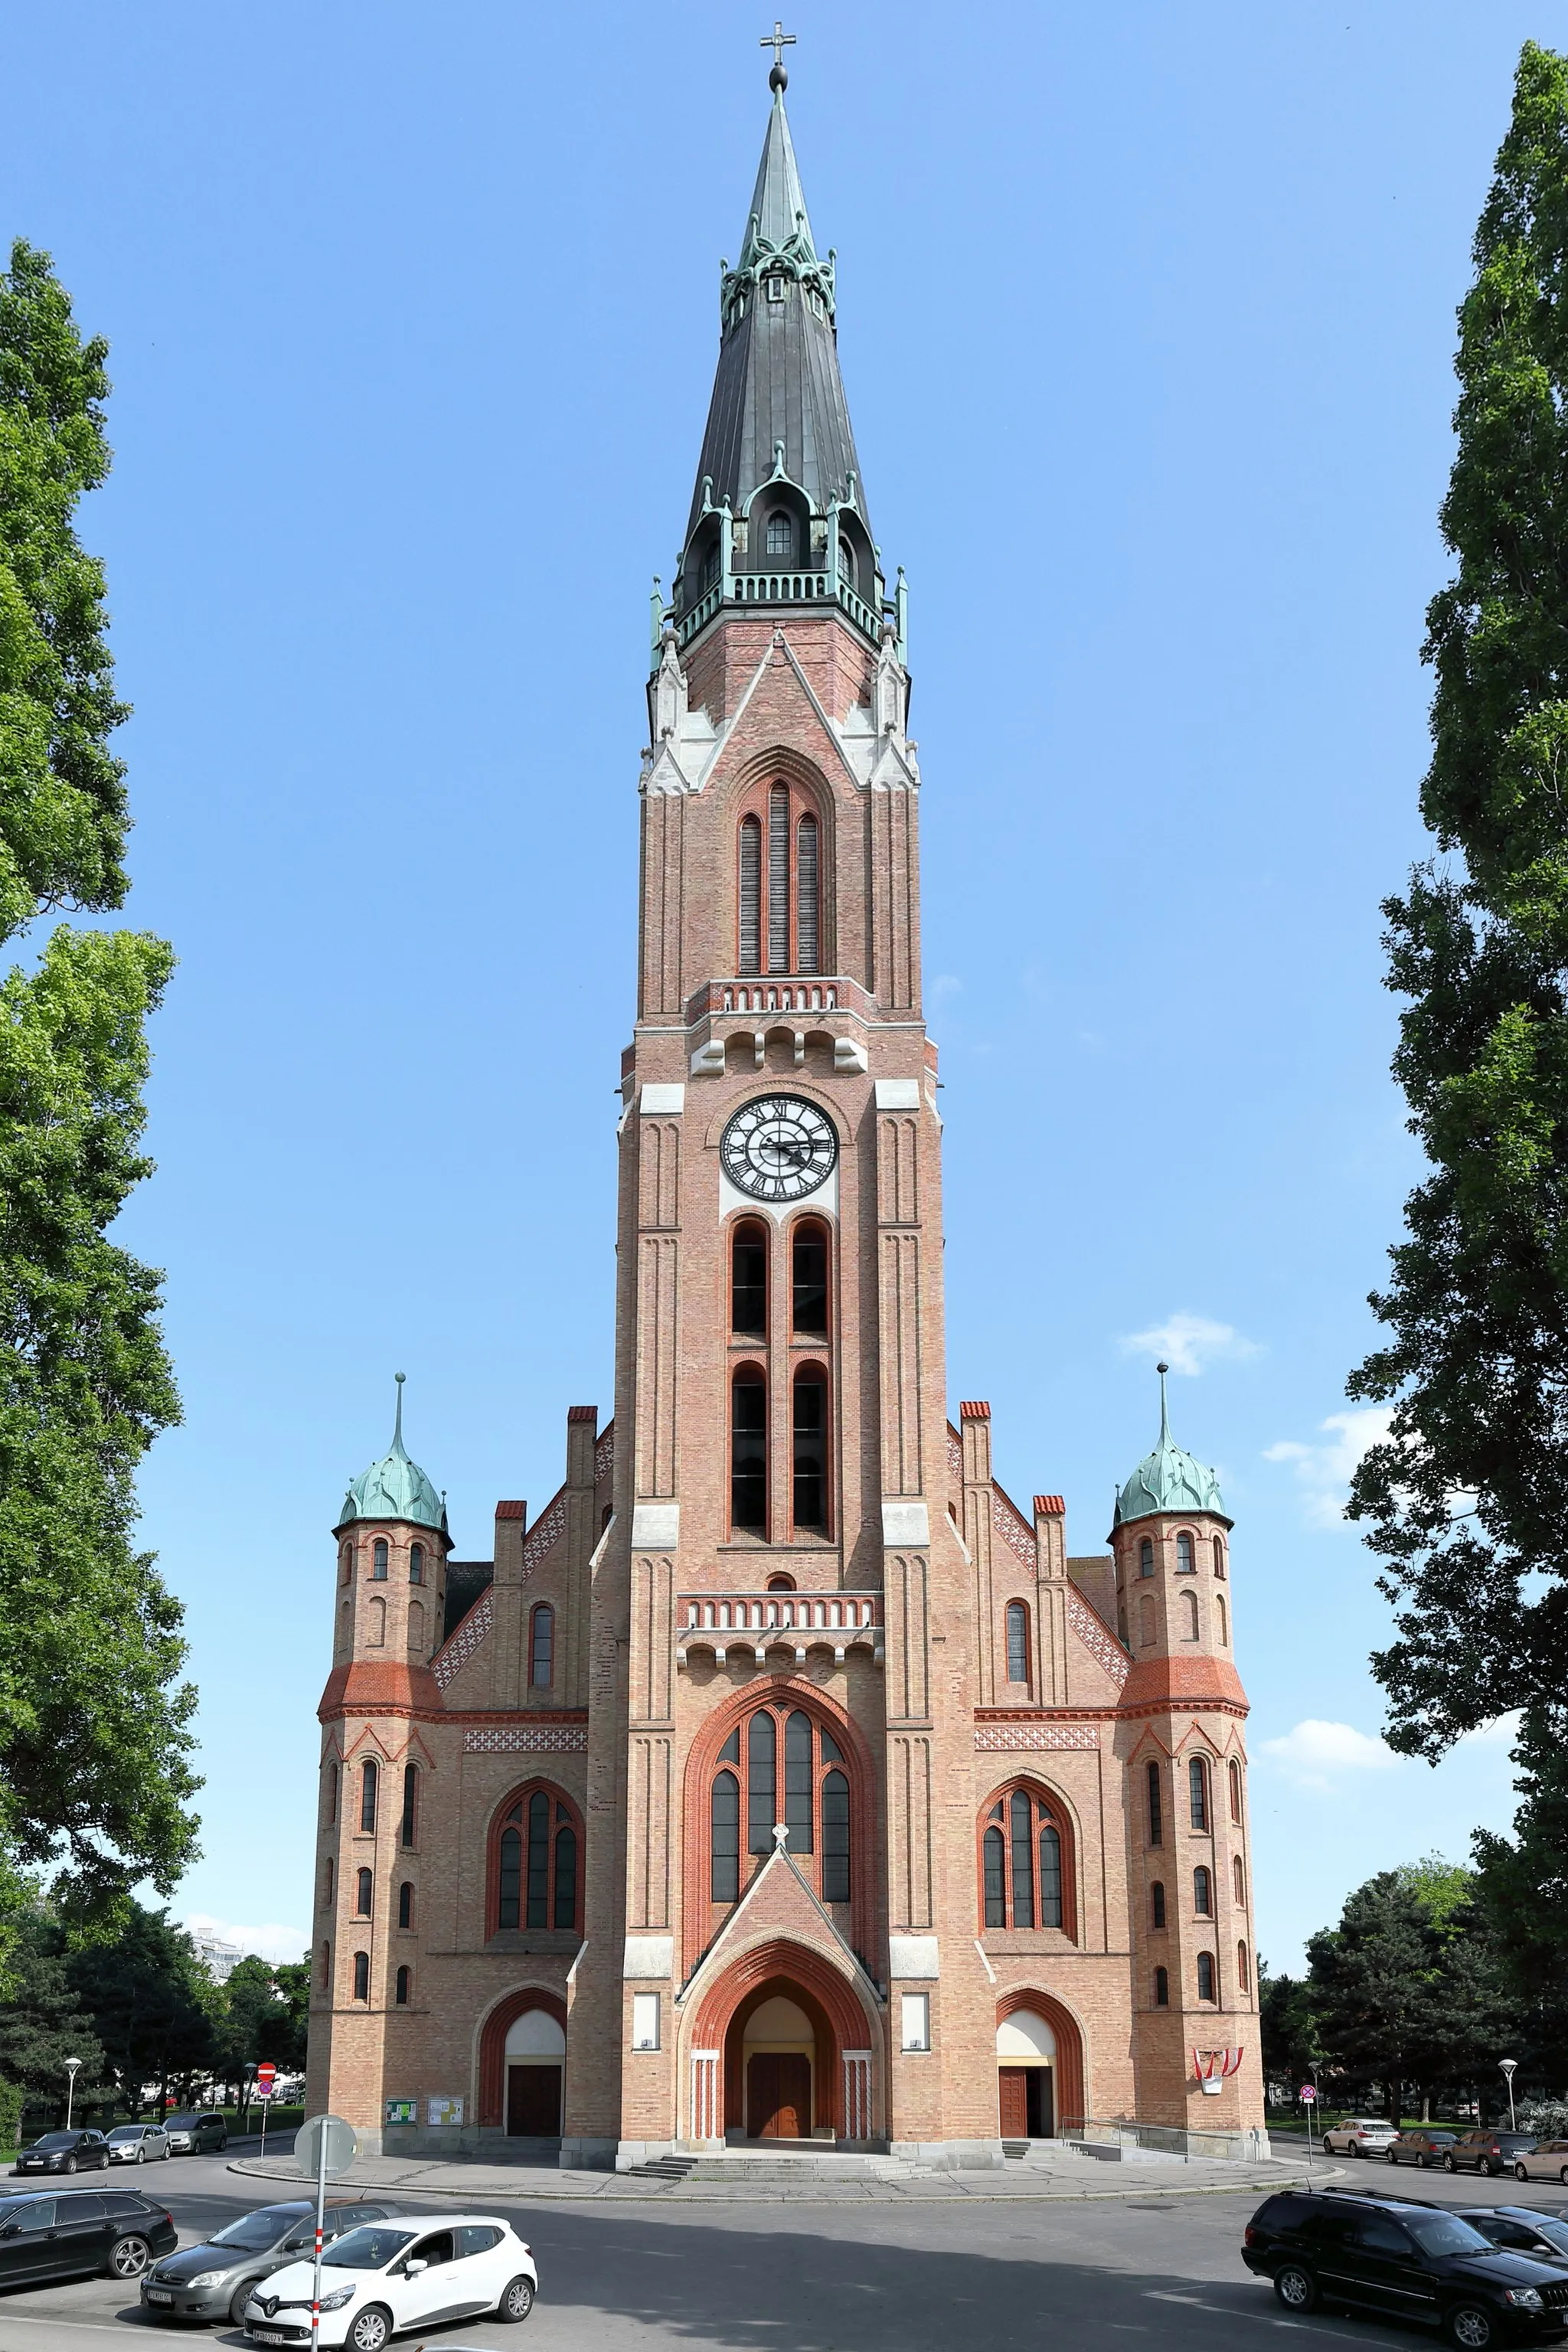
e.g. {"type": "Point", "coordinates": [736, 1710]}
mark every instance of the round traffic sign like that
{"type": "Point", "coordinates": [267, 2072]}
{"type": "Point", "coordinates": [1308, 2094]}
{"type": "Point", "coordinates": [342, 2146]}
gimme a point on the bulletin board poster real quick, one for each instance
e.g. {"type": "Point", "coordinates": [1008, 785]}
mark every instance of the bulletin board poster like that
{"type": "Point", "coordinates": [400, 2111]}
{"type": "Point", "coordinates": [444, 2114]}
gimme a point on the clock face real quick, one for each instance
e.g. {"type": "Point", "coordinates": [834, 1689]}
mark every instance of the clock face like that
{"type": "Point", "coordinates": [779, 1149]}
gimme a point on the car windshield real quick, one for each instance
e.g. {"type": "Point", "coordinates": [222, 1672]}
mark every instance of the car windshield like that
{"type": "Point", "coordinates": [57, 2139]}
{"type": "Point", "coordinates": [1445, 2233]}
{"type": "Point", "coordinates": [262, 2228]}
{"type": "Point", "coordinates": [1554, 2232]}
{"type": "Point", "coordinates": [367, 2250]}
{"type": "Point", "coordinates": [127, 2131]}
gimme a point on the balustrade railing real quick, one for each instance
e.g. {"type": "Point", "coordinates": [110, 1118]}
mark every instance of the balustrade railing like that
{"type": "Point", "coordinates": [758, 1622]}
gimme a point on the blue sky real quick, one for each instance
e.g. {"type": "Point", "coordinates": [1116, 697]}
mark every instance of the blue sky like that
{"type": "Point", "coordinates": [1146, 320]}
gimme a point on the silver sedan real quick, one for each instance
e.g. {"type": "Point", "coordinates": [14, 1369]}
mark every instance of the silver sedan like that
{"type": "Point", "coordinates": [1547, 2160]}
{"type": "Point", "coordinates": [137, 2143]}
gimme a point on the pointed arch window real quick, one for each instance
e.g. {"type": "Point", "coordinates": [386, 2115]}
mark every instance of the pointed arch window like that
{"type": "Point", "coordinates": [1185, 1564]}
{"type": "Point", "coordinates": [1242, 1976]}
{"type": "Point", "coordinates": [1157, 1905]}
{"type": "Point", "coordinates": [781, 534]}
{"type": "Point", "coordinates": [810, 1451]}
{"type": "Point", "coordinates": [1222, 1620]}
{"type": "Point", "coordinates": [779, 884]}
{"type": "Point", "coordinates": [749, 1280]}
{"type": "Point", "coordinates": [1205, 1975]}
{"type": "Point", "coordinates": [408, 1827]}
{"type": "Point", "coordinates": [405, 1986]}
{"type": "Point", "coordinates": [1238, 1881]}
{"type": "Point", "coordinates": [1202, 1894]}
{"type": "Point", "coordinates": [368, 1778]}
{"type": "Point", "coordinates": [416, 1563]}
{"type": "Point", "coordinates": [406, 1904]}
{"type": "Point", "coordinates": [378, 1560]}
{"type": "Point", "coordinates": [808, 1280]}
{"type": "Point", "coordinates": [1198, 1791]}
{"type": "Point", "coordinates": [1156, 1816]}
{"type": "Point", "coordinates": [1021, 1862]}
{"type": "Point", "coordinates": [536, 1863]}
{"type": "Point", "coordinates": [361, 1975]}
{"type": "Point", "coordinates": [780, 1766]}
{"type": "Point", "coordinates": [542, 1646]}
{"type": "Point", "coordinates": [362, 1896]}
{"type": "Point", "coordinates": [1232, 1774]}
{"type": "Point", "coordinates": [749, 1450]}
{"type": "Point", "coordinates": [1161, 1988]}
{"type": "Point", "coordinates": [1017, 1641]}
{"type": "Point", "coordinates": [332, 1792]}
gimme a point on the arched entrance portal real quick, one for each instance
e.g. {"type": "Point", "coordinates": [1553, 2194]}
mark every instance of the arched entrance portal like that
{"type": "Point", "coordinates": [536, 2057]}
{"type": "Point", "coordinates": [1025, 2055]}
{"type": "Point", "coordinates": [780, 2065]}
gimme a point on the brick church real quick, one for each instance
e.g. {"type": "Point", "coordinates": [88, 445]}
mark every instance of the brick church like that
{"type": "Point", "coordinates": [783, 1778]}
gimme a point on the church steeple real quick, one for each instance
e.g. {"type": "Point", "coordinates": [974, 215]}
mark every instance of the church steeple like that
{"type": "Point", "coordinates": [778, 486]}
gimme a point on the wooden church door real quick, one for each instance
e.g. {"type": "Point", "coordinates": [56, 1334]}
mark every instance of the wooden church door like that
{"type": "Point", "coordinates": [533, 2102]}
{"type": "Point", "coordinates": [778, 2094]}
{"type": "Point", "coordinates": [1013, 2085]}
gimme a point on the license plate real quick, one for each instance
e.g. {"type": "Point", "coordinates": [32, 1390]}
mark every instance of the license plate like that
{"type": "Point", "coordinates": [157, 2294]}
{"type": "Point", "coordinates": [268, 2335]}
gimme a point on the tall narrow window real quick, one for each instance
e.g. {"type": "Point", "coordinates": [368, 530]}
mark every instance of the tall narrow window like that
{"type": "Point", "coordinates": [1237, 1879]}
{"type": "Point", "coordinates": [1050, 1877]}
{"type": "Point", "coordinates": [995, 1863]}
{"type": "Point", "coordinates": [361, 1975]}
{"type": "Point", "coordinates": [1146, 1557]}
{"type": "Point", "coordinates": [404, 1986]}
{"type": "Point", "coordinates": [565, 1908]}
{"type": "Point", "coordinates": [1017, 1642]}
{"type": "Point", "coordinates": [1198, 1791]}
{"type": "Point", "coordinates": [416, 1563]}
{"type": "Point", "coordinates": [749, 1281]}
{"type": "Point", "coordinates": [1189, 1616]}
{"type": "Point", "coordinates": [406, 1904]}
{"type": "Point", "coordinates": [1020, 1825]}
{"type": "Point", "coordinates": [325, 1980]}
{"type": "Point", "coordinates": [542, 1646]}
{"type": "Point", "coordinates": [378, 1559]}
{"type": "Point", "coordinates": [807, 920]}
{"type": "Point", "coordinates": [1233, 1775]}
{"type": "Point", "coordinates": [1224, 1627]}
{"type": "Point", "coordinates": [762, 1756]}
{"type": "Point", "coordinates": [1146, 1622]}
{"type": "Point", "coordinates": [509, 1907]}
{"type": "Point", "coordinates": [751, 895]}
{"type": "Point", "coordinates": [538, 1860]}
{"type": "Point", "coordinates": [778, 878]}
{"type": "Point", "coordinates": [409, 1824]}
{"type": "Point", "coordinates": [1202, 1898]}
{"type": "Point", "coordinates": [749, 1450]}
{"type": "Point", "coordinates": [1161, 1988]}
{"type": "Point", "coordinates": [367, 1780]}
{"type": "Point", "coordinates": [1205, 1975]}
{"type": "Point", "coordinates": [376, 1623]}
{"type": "Point", "coordinates": [810, 1453]}
{"type": "Point", "coordinates": [1241, 1973]}
{"type": "Point", "coordinates": [1156, 1825]}
{"type": "Point", "coordinates": [416, 1629]}
{"type": "Point", "coordinates": [327, 1886]}
{"type": "Point", "coordinates": [835, 1838]}
{"type": "Point", "coordinates": [1157, 1905]}
{"type": "Point", "coordinates": [845, 561]}
{"type": "Point", "coordinates": [724, 1827]}
{"type": "Point", "coordinates": [798, 1792]}
{"type": "Point", "coordinates": [332, 1792]}
{"type": "Point", "coordinates": [781, 534]}
{"type": "Point", "coordinates": [362, 1898]}
{"type": "Point", "coordinates": [1219, 1555]}
{"type": "Point", "coordinates": [809, 1281]}
{"type": "Point", "coordinates": [1185, 1562]}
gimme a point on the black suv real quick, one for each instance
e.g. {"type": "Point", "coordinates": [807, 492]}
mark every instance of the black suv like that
{"type": "Point", "coordinates": [67, 2231]}
{"type": "Point", "coordinates": [1406, 2260]}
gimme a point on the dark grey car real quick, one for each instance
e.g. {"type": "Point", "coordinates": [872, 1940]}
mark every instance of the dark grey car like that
{"type": "Point", "coordinates": [213, 2281]}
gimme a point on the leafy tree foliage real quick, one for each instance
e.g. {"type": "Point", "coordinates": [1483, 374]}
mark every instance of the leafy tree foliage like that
{"type": "Point", "coordinates": [1522, 1886]}
{"type": "Point", "coordinates": [1373, 1980]}
{"type": "Point", "coordinates": [94, 1777]}
{"type": "Point", "coordinates": [263, 2017]}
{"type": "Point", "coordinates": [43, 2022]}
{"type": "Point", "coordinates": [1467, 1500]}
{"type": "Point", "coordinates": [1288, 2031]}
{"type": "Point", "coordinates": [153, 2005]}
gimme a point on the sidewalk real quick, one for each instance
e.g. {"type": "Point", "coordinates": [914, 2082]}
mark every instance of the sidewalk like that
{"type": "Point", "coordinates": [1044, 2176]}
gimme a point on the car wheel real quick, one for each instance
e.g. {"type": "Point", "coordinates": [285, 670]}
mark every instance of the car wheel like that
{"type": "Point", "coordinates": [1472, 2326]}
{"type": "Point", "coordinates": [1449, 2165]}
{"type": "Point", "coordinates": [1521, 2172]}
{"type": "Point", "coordinates": [1391, 2158]}
{"type": "Point", "coordinates": [69, 2163]}
{"type": "Point", "coordinates": [1562, 2175]}
{"type": "Point", "coordinates": [222, 2145]}
{"type": "Point", "coordinates": [372, 2329]}
{"type": "Point", "coordinates": [129, 2257]}
{"type": "Point", "coordinates": [1295, 2288]}
{"type": "Point", "coordinates": [518, 2299]}
{"type": "Point", "coordinates": [237, 2304]}
{"type": "Point", "coordinates": [1421, 2162]}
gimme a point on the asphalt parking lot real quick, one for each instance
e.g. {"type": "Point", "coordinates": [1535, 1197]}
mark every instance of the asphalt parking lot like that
{"type": "Point", "coordinates": [830, 2277]}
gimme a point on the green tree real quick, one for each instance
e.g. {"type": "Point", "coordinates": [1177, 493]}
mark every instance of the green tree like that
{"type": "Point", "coordinates": [1521, 1888]}
{"type": "Point", "coordinates": [1374, 1981]}
{"type": "Point", "coordinates": [151, 2003]}
{"type": "Point", "coordinates": [262, 2018]}
{"type": "Point", "coordinates": [1288, 2031]}
{"type": "Point", "coordinates": [43, 2022]}
{"type": "Point", "coordinates": [95, 1781]}
{"type": "Point", "coordinates": [1467, 1502]}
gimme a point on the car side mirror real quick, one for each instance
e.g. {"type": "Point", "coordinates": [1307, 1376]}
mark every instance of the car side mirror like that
{"type": "Point", "coordinates": [10, 2229]}
{"type": "Point", "coordinates": [414, 2265]}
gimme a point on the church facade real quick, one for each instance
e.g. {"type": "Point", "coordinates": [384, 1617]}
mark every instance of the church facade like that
{"type": "Point", "coordinates": [783, 1778]}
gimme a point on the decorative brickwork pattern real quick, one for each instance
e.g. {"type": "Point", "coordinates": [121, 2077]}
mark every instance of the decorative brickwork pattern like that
{"type": "Point", "coordinates": [544, 1535]}
{"type": "Point", "coordinates": [474, 1630]}
{"type": "Point", "coordinates": [1098, 1638]}
{"type": "Point", "coordinates": [538, 1738]}
{"type": "Point", "coordinates": [1008, 1739]}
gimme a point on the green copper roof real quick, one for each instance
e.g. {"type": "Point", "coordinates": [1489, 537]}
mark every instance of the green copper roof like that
{"type": "Point", "coordinates": [1168, 1479]}
{"type": "Point", "coordinates": [394, 1487]}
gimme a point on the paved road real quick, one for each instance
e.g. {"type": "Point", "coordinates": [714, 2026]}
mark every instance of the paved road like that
{"type": "Point", "coordinates": [830, 2277]}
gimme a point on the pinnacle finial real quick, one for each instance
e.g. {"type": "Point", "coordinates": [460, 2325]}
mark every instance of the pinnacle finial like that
{"type": "Point", "coordinates": [397, 1425]}
{"type": "Point", "coordinates": [1164, 1415]}
{"type": "Point", "coordinates": [778, 41]}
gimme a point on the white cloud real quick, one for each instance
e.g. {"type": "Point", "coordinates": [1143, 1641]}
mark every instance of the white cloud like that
{"type": "Point", "coordinates": [1190, 1343]}
{"type": "Point", "coordinates": [1325, 1470]}
{"type": "Point", "coordinates": [1314, 1753]}
{"type": "Point", "coordinates": [270, 1943]}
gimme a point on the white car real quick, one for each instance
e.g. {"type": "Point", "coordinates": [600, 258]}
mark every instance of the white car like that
{"type": "Point", "coordinates": [1358, 2136]}
{"type": "Point", "coordinates": [137, 2143]}
{"type": "Point", "coordinates": [419, 2270]}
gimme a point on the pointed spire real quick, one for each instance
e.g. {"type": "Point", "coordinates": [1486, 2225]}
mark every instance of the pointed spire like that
{"type": "Point", "coordinates": [397, 1425]}
{"type": "Point", "coordinates": [778, 200]}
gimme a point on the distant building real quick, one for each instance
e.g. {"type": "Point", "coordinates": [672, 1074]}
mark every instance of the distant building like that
{"type": "Point", "coordinates": [219, 1959]}
{"type": "Point", "coordinates": [784, 1780]}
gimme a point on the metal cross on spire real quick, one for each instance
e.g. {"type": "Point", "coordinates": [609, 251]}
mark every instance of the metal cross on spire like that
{"type": "Point", "coordinates": [778, 41]}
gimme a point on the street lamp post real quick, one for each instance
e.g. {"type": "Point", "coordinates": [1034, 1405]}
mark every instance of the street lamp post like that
{"type": "Point", "coordinates": [73, 2067]}
{"type": "Point", "coordinates": [1507, 2066]}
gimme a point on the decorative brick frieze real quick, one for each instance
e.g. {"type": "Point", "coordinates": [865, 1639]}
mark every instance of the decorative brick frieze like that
{"type": "Point", "coordinates": [528, 1738]}
{"type": "Point", "coordinates": [454, 1655]}
{"type": "Point", "coordinates": [1004, 1739]}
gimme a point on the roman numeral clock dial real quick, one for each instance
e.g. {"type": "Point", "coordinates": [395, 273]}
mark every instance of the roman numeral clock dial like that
{"type": "Point", "coordinates": [779, 1148]}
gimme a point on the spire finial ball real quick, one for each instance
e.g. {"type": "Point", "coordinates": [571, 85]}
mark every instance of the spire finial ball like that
{"type": "Point", "coordinates": [778, 77]}
{"type": "Point", "coordinates": [1162, 1367]}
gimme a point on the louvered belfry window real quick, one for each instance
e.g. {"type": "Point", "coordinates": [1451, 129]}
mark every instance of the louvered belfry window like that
{"type": "Point", "coordinates": [779, 892]}
{"type": "Point", "coordinates": [751, 940]}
